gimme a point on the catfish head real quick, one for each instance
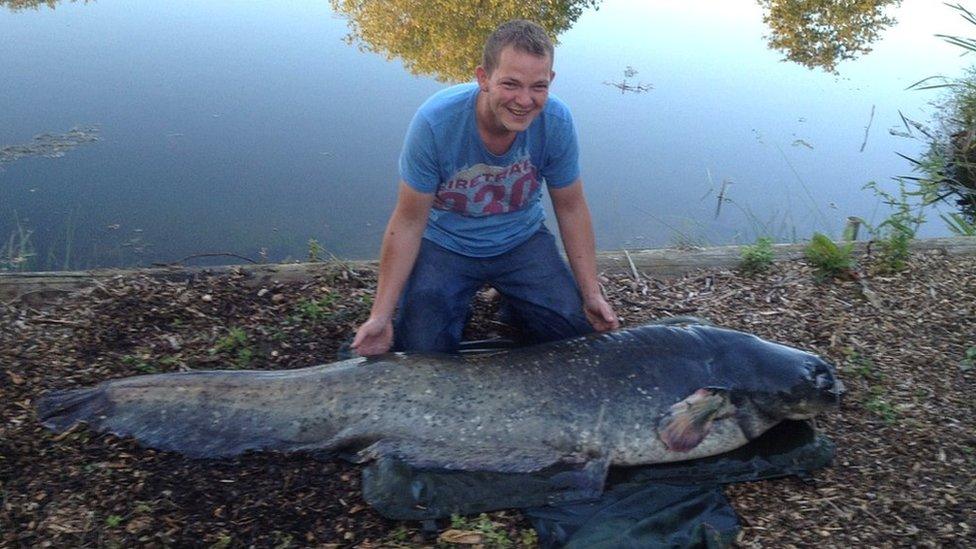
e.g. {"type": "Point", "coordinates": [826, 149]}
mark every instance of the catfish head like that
{"type": "Point", "coordinates": [807, 388]}
{"type": "Point", "coordinates": [780, 382]}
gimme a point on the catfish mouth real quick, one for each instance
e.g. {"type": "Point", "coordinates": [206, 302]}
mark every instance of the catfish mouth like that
{"type": "Point", "coordinates": [835, 389]}
{"type": "Point", "coordinates": [816, 391]}
{"type": "Point", "coordinates": [825, 381]}
{"type": "Point", "coordinates": [821, 391]}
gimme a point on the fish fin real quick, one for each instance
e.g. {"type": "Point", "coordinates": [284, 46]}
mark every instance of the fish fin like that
{"type": "Point", "coordinates": [436, 455]}
{"type": "Point", "coordinates": [59, 410]}
{"type": "Point", "coordinates": [688, 422]}
{"type": "Point", "coordinates": [193, 431]}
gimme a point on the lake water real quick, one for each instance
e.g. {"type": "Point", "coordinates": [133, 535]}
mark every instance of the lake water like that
{"type": "Point", "coordinates": [251, 127]}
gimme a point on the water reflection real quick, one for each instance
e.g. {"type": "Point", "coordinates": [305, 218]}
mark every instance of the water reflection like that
{"type": "Point", "coordinates": [444, 38]}
{"type": "Point", "coordinates": [15, 5]}
{"type": "Point", "coordinates": [238, 136]}
{"type": "Point", "coordinates": [822, 33]}
{"type": "Point", "coordinates": [50, 145]}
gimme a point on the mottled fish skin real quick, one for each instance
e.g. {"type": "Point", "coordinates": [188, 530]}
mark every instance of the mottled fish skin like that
{"type": "Point", "coordinates": [618, 397]}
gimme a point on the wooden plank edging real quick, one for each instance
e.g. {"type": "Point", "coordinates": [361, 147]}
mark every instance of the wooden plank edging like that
{"type": "Point", "coordinates": [663, 263]}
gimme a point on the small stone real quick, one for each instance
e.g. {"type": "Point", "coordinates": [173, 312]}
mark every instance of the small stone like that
{"type": "Point", "coordinates": [174, 343]}
{"type": "Point", "coordinates": [263, 292]}
{"type": "Point", "coordinates": [207, 298]}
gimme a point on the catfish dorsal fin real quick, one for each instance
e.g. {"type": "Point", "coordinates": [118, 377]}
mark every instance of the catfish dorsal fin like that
{"type": "Point", "coordinates": [689, 421]}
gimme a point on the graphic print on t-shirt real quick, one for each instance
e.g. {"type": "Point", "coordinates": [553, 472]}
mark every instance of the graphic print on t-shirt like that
{"type": "Point", "coordinates": [488, 190]}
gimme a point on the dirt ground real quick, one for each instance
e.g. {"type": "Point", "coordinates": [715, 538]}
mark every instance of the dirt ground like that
{"type": "Point", "coordinates": [904, 473]}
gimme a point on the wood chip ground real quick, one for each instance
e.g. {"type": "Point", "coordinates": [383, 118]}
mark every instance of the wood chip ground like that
{"type": "Point", "coordinates": [904, 474]}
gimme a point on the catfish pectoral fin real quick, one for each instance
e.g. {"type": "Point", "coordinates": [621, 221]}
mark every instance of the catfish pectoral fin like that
{"type": "Point", "coordinates": [438, 455]}
{"type": "Point", "coordinates": [688, 422]}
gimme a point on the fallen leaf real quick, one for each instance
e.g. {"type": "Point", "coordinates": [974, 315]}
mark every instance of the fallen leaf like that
{"type": "Point", "coordinates": [466, 537]}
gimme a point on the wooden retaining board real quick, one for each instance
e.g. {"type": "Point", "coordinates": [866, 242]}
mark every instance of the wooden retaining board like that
{"type": "Point", "coordinates": [661, 263]}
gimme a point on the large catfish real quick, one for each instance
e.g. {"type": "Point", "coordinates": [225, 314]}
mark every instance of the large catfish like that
{"type": "Point", "coordinates": [649, 394]}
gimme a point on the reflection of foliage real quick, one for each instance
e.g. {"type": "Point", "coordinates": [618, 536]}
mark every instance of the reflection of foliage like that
{"type": "Point", "coordinates": [445, 37]}
{"type": "Point", "coordinates": [15, 5]}
{"type": "Point", "coordinates": [947, 169]}
{"type": "Point", "coordinates": [50, 145]}
{"type": "Point", "coordinates": [822, 33]}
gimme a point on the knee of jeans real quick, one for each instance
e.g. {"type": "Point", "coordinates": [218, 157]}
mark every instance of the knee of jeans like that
{"type": "Point", "coordinates": [542, 324]}
{"type": "Point", "coordinates": [420, 302]}
{"type": "Point", "coordinates": [429, 321]}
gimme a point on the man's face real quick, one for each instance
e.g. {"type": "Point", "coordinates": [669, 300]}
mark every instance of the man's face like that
{"type": "Point", "coordinates": [516, 90]}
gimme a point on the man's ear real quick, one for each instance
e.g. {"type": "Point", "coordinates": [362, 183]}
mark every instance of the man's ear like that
{"type": "Point", "coordinates": [552, 76]}
{"type": "Point", "coordinates": [482, 75]}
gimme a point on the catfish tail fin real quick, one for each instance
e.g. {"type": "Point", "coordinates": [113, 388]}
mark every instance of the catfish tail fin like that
{"type": "Point", "coordinates": [59, 410]}
{"type": "Point", "coordinates": [198, 414]}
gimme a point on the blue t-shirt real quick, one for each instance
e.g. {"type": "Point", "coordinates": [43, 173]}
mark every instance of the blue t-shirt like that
{"type": "Point", "coordinates": [485, 205]}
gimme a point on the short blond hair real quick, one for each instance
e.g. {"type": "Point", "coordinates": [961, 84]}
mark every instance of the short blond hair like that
{"type": "Point", "coordinates": [523, 35]}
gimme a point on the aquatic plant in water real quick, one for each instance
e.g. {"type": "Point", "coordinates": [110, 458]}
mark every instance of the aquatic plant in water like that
{"type": "Point", "coordinates": [50, 145]}
{"type": "Point", "coordinates": [16, 253]}
{"type": "Point", "coordinates": [947, 169]}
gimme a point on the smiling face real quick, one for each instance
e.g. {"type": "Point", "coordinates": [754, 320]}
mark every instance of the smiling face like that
{"type": "Point", "coordinates": [513, 94]}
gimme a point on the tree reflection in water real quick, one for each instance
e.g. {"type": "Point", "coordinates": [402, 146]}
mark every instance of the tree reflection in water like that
{"type": "Point", "coordinates": [444, 38]}
{"type": "Point", "coordinates": [15, 5]}
{"type": "Point", "coordinates": [822, 33]}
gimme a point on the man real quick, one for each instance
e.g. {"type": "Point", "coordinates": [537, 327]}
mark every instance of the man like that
{"type": "Point", "coordinates": [469, 210]}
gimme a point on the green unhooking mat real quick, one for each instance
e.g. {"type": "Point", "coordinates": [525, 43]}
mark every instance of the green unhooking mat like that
{"type": "Point", "coordinates": [666, 505]}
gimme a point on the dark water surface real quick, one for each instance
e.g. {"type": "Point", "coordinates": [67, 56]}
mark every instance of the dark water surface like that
{"type": "Point", "coordinates": [252, 127]}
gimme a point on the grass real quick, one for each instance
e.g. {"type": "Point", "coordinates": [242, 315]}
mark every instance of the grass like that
{"type": "Point", "coordinates": [237, 344]}
{"type": "Point", "coordinates": [139, 364]}
{"type": "Point", "coordinates": [493, 534]}
{"type": "Point", "coordinates": [829, 259]}
{"type": "Point", "coordinates": [968, 360]}
{"type": "Point", "coordinates": [877, 401]}
{"type": "Point", "coordinates": [317, 309]}
{"type": "Point", "coordinates": [315, 251]}
{"type": "Point", "coordinates": [896, 231]}
{"type": "Point", "coordinates": [758, 257]}
{"type": "Point", "coordinates": [113, 521]}
{"type": "Point", "coordinates": [882, 408]}
{"type": "Point", "coordinates": [17, 253]}
{"type": "Point", "coordinates": [958, 224]}
{"type": "Point", "coordinates": [947, 170]}
{"type": "Point", "coordinates": [862, 366]}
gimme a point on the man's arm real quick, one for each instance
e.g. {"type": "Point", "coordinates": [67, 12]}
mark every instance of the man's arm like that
{"type": "Point", "coordinates": [401, 242]}
{"type": "Point", "coordinates": [576, 229]}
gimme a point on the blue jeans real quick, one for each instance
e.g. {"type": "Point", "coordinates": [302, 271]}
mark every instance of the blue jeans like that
{"type": "Point", "coordinates": [538, 288]}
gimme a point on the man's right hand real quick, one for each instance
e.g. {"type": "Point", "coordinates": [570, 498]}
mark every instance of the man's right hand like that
{"type": "Point", "coordinates": [374, 337]}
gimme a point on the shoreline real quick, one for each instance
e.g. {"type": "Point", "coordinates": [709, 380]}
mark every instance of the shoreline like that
{"type": "Point", "coordinates": [654, 263]}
